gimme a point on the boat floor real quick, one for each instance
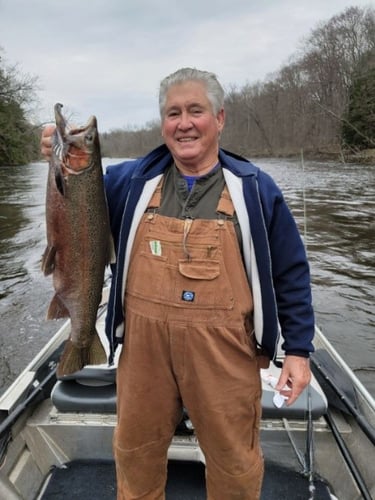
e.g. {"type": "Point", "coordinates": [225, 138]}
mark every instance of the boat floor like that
{"type": "Point", "coordinates": [89, 480]}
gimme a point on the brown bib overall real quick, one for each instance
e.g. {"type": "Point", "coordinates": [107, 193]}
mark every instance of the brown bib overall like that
{"type": "Point", "coordinates": [188, 343]}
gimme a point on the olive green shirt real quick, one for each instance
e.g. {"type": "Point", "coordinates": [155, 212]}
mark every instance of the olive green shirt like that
{"type": "Point", "coordinates": [199, 203]}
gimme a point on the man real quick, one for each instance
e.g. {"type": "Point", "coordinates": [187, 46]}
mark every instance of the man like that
{"type": "Point", "coordinates": [210, 266]}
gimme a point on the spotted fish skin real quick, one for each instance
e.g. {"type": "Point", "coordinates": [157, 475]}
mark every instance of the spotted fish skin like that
{"type": "Point", "coordinates": [78, 239]}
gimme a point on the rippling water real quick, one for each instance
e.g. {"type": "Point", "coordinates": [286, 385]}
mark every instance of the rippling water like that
{"type": "Point", "coordinates": [333, 204]}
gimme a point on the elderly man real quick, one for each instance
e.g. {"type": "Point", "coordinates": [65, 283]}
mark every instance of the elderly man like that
{"type": "Point", "coordinates": [210, 270]}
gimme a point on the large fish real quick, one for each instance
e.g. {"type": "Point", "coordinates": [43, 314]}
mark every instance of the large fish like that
{"type": "Point", "coordinates": [78, 239]}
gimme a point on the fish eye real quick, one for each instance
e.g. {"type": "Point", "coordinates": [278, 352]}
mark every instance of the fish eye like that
{"type": "Point", "coordinates": [89, 138]}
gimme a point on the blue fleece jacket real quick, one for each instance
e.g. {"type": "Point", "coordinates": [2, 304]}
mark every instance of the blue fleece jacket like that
{"type": "Point", "coordinates": [274, 254]}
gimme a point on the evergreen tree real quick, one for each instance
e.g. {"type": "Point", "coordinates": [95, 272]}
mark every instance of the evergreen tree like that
{"type": "Point", "coordinates": [359, 123]}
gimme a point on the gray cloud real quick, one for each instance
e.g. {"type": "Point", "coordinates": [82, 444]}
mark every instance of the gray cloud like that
{"type": "Point", "coordinates": [108, 57]}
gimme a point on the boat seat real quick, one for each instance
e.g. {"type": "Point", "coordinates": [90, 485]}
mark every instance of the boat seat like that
{"type": "Point", "coordinates": [93, 390]}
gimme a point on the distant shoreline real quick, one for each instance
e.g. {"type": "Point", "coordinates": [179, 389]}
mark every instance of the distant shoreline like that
{"type": "Point", "coordinates": [365, 157]}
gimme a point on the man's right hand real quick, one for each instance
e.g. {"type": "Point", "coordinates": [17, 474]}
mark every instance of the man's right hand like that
{"type": "Point", "coordinates": [46, 141]}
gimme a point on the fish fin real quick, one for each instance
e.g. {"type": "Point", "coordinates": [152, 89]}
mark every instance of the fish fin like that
{"type": "Point", "coordinates": [57, 309]}
{"type": "Point", "coordinates": [48, 260]}
{"type": "Point", "coordinates": [75, 358]}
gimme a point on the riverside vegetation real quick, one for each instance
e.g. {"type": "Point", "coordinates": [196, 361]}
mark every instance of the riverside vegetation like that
{"type": "Point", "coordinates": [321, 102]}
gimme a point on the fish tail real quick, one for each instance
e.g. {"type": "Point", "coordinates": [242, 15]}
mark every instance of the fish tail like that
{"type": "Point", "coordinates": [75, 358]}
{"type": "Point", "coordinates": [71, 360]}
{"type": "Point", "coordinates": [96, 354]}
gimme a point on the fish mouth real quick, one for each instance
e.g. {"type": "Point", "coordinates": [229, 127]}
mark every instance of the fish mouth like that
{"type": "Point", "coordinates": [59, 118]}
{"type": "Point", "coordinates": [76, 145]}
{"type": "Point", "coordinates": [65, 129]}
{"type": "Point", "coordinates": [91, 124]}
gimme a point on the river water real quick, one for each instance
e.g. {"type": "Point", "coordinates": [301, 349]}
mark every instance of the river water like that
{"type": "Point", "coordinates": [334, 207]}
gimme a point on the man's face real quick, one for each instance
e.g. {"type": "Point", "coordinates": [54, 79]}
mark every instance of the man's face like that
{"type": "Point", "coordinates": [189, 127]}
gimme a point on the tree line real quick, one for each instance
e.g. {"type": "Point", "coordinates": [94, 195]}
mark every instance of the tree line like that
{"type": "Point", "coordinates": [19, 139]}
{"type": "Point", "coordinates": [322, 102]}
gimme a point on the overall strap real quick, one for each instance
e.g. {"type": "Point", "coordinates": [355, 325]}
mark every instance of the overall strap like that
{"type": "Point", "coordinates": [225, 205]}
{"type": "Point", "coordinates": [155, 200]}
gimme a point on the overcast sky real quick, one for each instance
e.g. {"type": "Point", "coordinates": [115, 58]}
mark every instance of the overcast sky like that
{"type": "Point", "coordinates": [107, 57]}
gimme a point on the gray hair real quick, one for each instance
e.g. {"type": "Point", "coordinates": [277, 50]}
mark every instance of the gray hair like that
{"type": "Point", "coordinates": [215, 92]}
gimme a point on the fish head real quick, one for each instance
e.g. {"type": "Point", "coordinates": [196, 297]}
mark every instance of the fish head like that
{"type": "Point", "coordinates": [76, 147]}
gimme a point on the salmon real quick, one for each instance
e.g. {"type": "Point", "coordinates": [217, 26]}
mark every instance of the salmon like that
{"type": "Point", "coordinates": [78, 239]}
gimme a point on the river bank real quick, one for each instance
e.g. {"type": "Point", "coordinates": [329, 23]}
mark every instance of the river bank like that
{"type": "Point", "coordinates": [334, 156]}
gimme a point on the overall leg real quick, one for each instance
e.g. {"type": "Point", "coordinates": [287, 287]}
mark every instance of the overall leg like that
{"type": "Point", "coordinates": [225, 409]}
{"type": "Point", "coordinates": [148, 408]}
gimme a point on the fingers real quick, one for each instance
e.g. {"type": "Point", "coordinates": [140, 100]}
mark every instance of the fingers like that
{"type": "Point", "coordinates": [295, 376]}
{"type": "Point", "coordinates": [46, 141]}
{"type": "Point", "coordinates": [291, 393]}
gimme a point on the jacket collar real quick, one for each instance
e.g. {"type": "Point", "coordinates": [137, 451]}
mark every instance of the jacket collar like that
{"type": "Point", "coordinates": [160, 158]}
{"type": "Point", "coordinates": [237, 164]}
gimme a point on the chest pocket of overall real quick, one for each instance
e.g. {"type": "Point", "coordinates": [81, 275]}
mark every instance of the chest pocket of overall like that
{"type": "Point", "coordinates": [198, 282]}
{"type": "Point", "coordinates": [204, 283]}
{"type": "Point", "coordinates": [199, 269]}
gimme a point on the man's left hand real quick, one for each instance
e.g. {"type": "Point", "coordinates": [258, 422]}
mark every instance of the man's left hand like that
{"type": "Point", "coordinates": [295, 376]}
